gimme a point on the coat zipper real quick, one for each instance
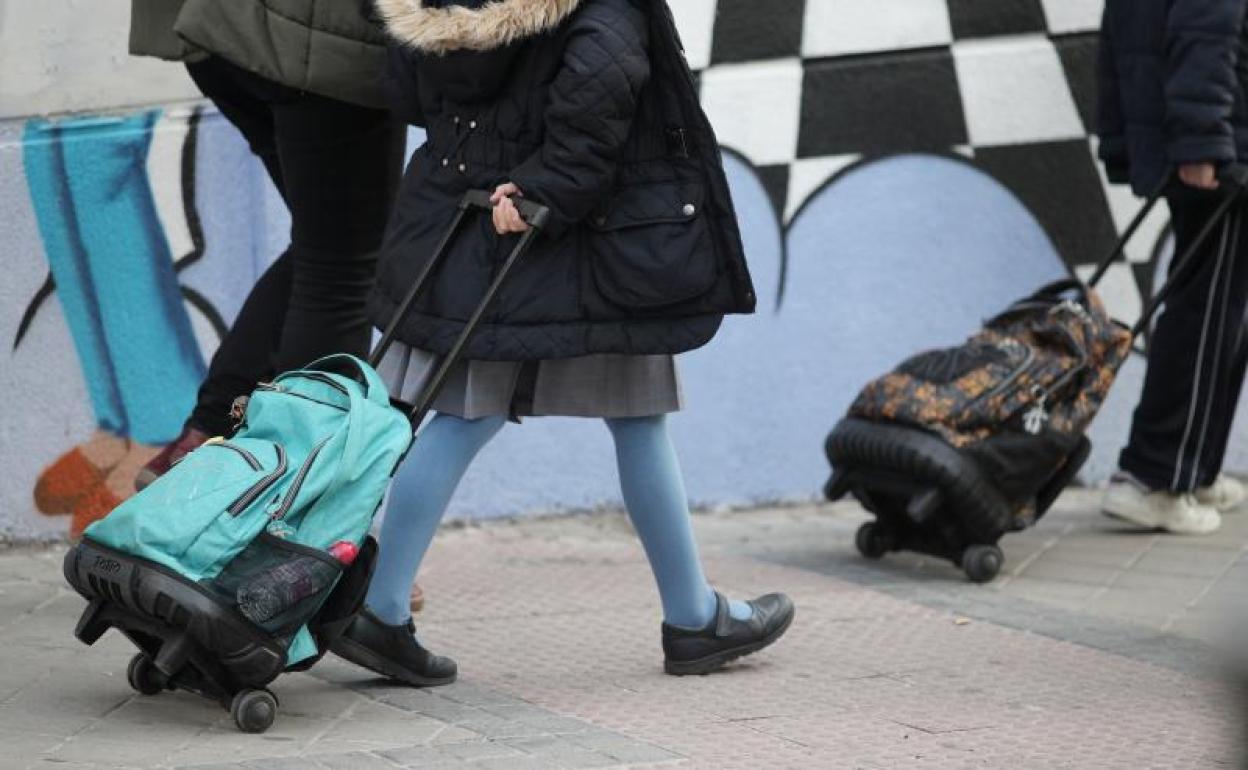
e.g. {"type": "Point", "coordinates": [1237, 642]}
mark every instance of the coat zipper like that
{"type": "Point", "coordinates": [295, 485]}
{"type": "Point", "coordinates": [257, 489]}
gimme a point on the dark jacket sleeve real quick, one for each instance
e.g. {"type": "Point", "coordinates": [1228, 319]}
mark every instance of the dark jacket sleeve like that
{"type": "Point", "coordinates": [400, 85]}
{"type": "Point", "coordinates": [1202, 42]}
{"type": "Point", "coordinates": [593, 100]}
{"type": "Point", "coordinates": [1110, 126]}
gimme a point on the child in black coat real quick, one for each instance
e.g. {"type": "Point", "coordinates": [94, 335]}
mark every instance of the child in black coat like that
{"type": "Point", "coordinates": [587, 107]}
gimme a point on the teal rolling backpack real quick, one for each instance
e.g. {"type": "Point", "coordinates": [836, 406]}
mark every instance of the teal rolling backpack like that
{"type": "Point", "coordinates": [253, 553]}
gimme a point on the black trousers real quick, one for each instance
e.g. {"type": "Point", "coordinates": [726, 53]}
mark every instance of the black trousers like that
{"type": "Point", "coordinates": [338, 166]}
{"type": "Point", "coordinates": [1197, 356]}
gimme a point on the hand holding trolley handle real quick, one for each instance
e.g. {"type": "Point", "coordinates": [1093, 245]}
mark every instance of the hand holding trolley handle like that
{"type": "Point", "coordinates": [535, 215]}
{"type": "Point", "coordinates": [1232, 184]}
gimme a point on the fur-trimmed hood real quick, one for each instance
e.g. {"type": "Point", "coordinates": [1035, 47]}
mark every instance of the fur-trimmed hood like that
{"type": "Point", "coordinates": [493, 25]}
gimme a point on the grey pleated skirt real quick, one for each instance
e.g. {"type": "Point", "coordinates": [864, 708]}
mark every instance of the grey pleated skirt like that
{"type": "Point", "coordinates": [603, 385]}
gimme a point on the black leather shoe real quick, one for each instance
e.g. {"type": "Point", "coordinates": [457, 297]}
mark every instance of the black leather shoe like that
{"type": "Point", "coordinates": [725, 638]}
{"type": "Point", "coordinates": [393, 652]}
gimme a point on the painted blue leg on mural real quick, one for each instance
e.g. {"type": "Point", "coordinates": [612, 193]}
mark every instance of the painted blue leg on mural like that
{"type": "Point", "coordinates": [126, 267]}
{"type": "Point", "coordinates": [54, 208]}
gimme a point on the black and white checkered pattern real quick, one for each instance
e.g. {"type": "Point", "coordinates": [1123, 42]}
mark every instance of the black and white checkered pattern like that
{"type": "Point", "coordinates": [806, 88]}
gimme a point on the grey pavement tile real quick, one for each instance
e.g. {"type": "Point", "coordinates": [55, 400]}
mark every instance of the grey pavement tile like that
{"type": "Point", "coordinates": [27, 743]}
{"type": "Point", "coordinates": [1070, 595]}
{"type": "Point", "coordinates": [433, 706]}
{"type": "Point", "coordinates": [512, 763]}
{"type": "Point", "coordinates": [283, 763]}
{"type": "Point", "coordinates": [518, 710]}
{"type": "Point", "coordinates": [423, 756]}
{"type": "Point", "coordinates": [1112, 558]}
{"type": "Point", "coordinates": [639, 753]}
{"type": "Point", "coordinates": [1183, 561]}
{"type": "Point", "coordinates": [1135, 606]}
{"type": "Point", "coordinates": [41, 565]}
{"type": "Point", "coordinates": [609, 742]}
{"type": "Point", "coordinates": [473, 694]}
{"type": "Point", "coordinates": [553, 723]}
{"type": "Point", "coordinates": [226, 741]}
{"type": "Point", "coordinates": [376, 724]}
{"type": "Point", "coordinates": [122, 752]}
{"type": "Point", "coordinates": [39, 708]}
{"type": "Point", "coordinates": [492, 726]}
{"type": "Point", "coordinates": [456, 734]}
{"type": "Point", "coordinates": [1070, 572]}
{"type": "Point", "coordinates": [574, 757]}
{"type": "Point", "coordinates": [20, 598]}
{"type": "Point", "coordinates": [1156, 583]}
{"type": "Point", "coordinates": [355, 760]}
{"type": "Point", "coordinates": [49, 764]}
{"type": "Point", "coordinates": [475, 750]}
{"type": "Point", "coordinates": [537, 744]}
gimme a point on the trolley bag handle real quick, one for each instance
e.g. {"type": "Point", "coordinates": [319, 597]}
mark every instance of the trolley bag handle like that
{"type": "Point", "coordinates": [1129, 233]}
{"type": "Point", "coordinates": [1235, 179]}
{"type": "Point", "coordinates": [535, 215]}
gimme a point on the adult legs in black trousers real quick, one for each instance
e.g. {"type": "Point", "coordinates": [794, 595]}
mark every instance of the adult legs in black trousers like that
{"type": "Point", "coordinates": [1197, 358]}
{"type": "Point", "coordinates": [337, 166]}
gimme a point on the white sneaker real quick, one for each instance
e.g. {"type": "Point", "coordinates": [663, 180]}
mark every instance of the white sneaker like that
{"type": "Point", "coordinates": [1225, 494]}
{"type": "Point", "coordinates": [1129, 500]}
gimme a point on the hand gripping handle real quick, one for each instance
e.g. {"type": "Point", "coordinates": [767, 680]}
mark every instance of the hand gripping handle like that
{"type": "Point", "coordinates": [535, 214]}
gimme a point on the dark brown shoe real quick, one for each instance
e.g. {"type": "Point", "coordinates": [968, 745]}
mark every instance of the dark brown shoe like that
{"type": "Point", "coordinates": [187, 441]}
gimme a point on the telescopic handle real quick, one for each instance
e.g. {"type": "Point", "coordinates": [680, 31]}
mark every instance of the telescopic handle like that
{"type": "Point", "coordinates": [535, 214]}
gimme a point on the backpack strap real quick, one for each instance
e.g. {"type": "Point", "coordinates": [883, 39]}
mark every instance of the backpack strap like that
{"type": "Point", "coordinates": [353, 368]}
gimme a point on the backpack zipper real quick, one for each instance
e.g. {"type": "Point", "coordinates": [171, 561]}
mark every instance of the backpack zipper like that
{"type": "Point", "coordinates": [1000, 387]}
{"type": "Point", "coordinates": [257, 489]}
{"type": "Point", "coordinates": [277, 388]}
{"type": "Point", "coordinates": [297, 484]}
{"type": "Point", "coordinates": [323, 378]}
{"type": "Point", "coordinates": [248, 456]}
{"type": "Point", "coordinates": [283, 544]}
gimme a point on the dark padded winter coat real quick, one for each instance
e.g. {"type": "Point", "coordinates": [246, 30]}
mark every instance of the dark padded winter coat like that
{"type": "Point", "coordinates": [589, 108]}
{"type": "Point", "coordinates": [1171, 86]}
{"type": "Point", "coordinates": [334, 48]}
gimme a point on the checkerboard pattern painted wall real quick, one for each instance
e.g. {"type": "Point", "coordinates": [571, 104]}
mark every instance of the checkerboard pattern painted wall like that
{"type": "Point", "coordinates": [805, 89]}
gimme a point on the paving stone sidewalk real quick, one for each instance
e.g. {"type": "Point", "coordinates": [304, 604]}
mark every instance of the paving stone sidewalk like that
{"type": "Point", "coordinates": [1092, 651]}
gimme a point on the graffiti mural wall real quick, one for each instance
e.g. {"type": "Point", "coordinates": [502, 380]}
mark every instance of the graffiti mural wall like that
{"type": "Point", "coordinates": [899, 176]}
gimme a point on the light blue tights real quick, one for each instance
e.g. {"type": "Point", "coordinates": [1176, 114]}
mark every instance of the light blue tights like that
{"type": "Point", "coordinates": [650, 479]}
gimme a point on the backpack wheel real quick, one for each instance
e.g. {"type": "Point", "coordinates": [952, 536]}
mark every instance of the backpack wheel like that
{"type": "Point", "coordinates": [144, 677]}
{"type": "Point", "coordinates": [982, 562]}
{"type": "Point", "coordinates": [254, 710]}
{"type": "Point", "coordinates": [872, 541]}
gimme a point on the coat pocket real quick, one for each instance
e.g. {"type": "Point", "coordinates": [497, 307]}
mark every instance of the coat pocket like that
{"type": "Point", "coordinates": [651, 246]}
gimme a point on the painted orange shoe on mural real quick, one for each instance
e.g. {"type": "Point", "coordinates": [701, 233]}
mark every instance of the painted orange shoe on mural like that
{"type": "Point", "coordinates": [76, 473]}
{"type": "Point", "coordinates": [111, 490]}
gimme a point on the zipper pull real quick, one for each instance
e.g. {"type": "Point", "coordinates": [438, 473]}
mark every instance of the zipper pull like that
{"type": "Point", "coordinates": [1036, 417]}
